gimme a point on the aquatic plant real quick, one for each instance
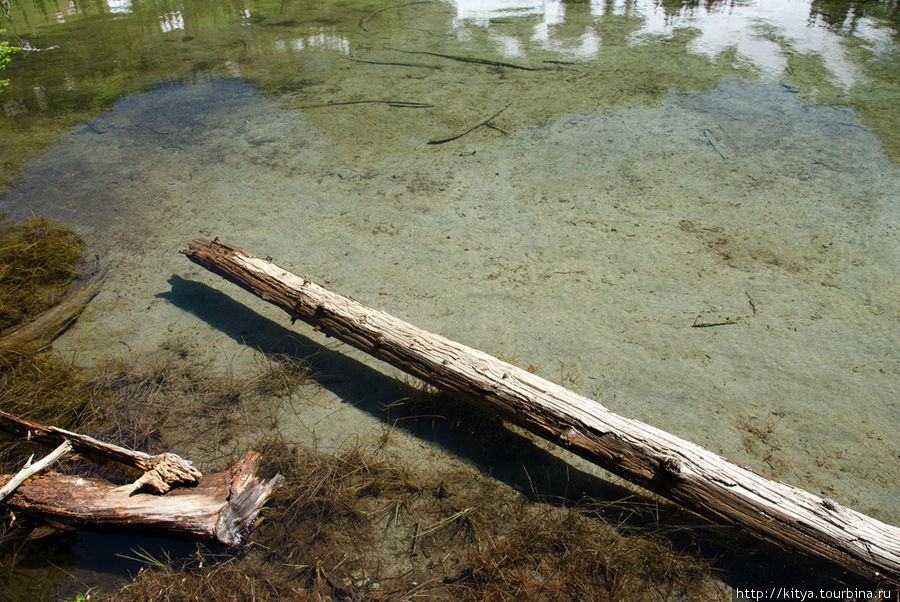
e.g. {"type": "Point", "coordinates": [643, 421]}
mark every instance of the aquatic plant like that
{"type": "Point", "coordinates": [37, 263]}
{"type": "Point", "coordinates": [37, 260]}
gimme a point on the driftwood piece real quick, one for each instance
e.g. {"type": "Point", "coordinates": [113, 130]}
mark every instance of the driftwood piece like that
{"type": "Point", "coordinates": [29, 470]}
{"type": "Point", "coordinates": [42, 331]}
{"type": "Point", "coordinates": [693, 477]}
{"type": "Point", "coordinates": [222, 507]}
{"type": "Point", "coordinates": [161, 472]}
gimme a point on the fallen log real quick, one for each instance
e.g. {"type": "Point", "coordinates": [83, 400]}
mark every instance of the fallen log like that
{"type": "Point", "coordinates": [222, 507]}
{"type": "Point", "coordinates": [693, 477]}
{"type": "Point", "coordinates": [161, 472]}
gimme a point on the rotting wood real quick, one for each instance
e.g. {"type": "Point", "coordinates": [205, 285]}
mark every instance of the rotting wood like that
{"type": "Point", "coordinates": [222, 507]}
{"type": "Point", "coordinates": [44, 329]}
{"type": "Point", "coordinates": [461, 133]}
{"type": "Point", "coordinates": [161, 472]}
{"type": "Point", "coordinates": [693, 477]}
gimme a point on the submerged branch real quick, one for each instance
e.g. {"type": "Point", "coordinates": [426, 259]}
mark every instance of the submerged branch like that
{"type": "Point", "coordinates": [403, 104]}
{"type": "Point", "coordinates": [42, 331]}
{"type": "Point", "coordinates": [462, 133]}
{"type": "Point", "coordinates": [467, 59]}
{"type": "Point", "coordinates": [395, 64]}
{"type": "Point", "coordinates": [368, 17]}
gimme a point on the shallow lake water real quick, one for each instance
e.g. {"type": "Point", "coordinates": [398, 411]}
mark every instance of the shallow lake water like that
{"type": "Point", "coordinates": [649, 167]}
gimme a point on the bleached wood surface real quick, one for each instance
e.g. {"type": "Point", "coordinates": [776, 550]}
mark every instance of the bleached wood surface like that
{"type": "Point", "coordinates": [161, 472]}
{"type": "Point", "coordinates": [688, 474]}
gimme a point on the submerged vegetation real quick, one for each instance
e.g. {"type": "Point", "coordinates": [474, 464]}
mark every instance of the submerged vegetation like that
{"type": "Point", "coordinates": [37, 260]}
{"type": "Point", "coordinates": [360, 524]}
{"type": "Point", "coordinates": [37, 264]}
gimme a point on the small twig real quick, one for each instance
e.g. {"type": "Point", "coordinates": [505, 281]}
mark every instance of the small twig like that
{"type": "Point", "coordinates": [752, 302]}
{"type": "Point", "coordinates": [445, 521]}
{"type": "Point", "coordinates": [711, 324]}
{"type": "Point", "coordinates": [32, 469]}
{"type": "Point", "coordinates": [462, 133]}
{"type": "Point", "coordinates": [415, 541]}
{"type": "Point", "coordinates": [391, 103]}
{"type": "Point", "coordinates": [368, 17]}
{"type": "Point", "coordinates": [467, 59]}
{"type": "Point", "coordinates": [709, 139]}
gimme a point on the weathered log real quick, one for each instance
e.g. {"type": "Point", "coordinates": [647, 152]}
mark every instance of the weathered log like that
{"type": "Point", "coordinates": [222, 507]}
{"type": "Point", "coordinates": [161, 472]}
{"type": "Point", "coordinates": [693, 477]}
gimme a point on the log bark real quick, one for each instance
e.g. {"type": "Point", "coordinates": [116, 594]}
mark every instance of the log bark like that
{"type": "Point", "coordinates": [689, 475]}
{"type": "Point", "coordinates": [222, 507]}
{"type": "Point", "coordinates": [161, 472]}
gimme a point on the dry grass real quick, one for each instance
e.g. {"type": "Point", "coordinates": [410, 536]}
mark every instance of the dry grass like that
{"type": "Point", "coordinates": [174, 400]}
{"type": "Point", "coordinates": [360, 525]}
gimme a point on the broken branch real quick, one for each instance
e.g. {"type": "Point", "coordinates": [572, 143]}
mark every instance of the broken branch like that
{"type": "Point", "coordinates": [162, 472]}
{"type": "Point", "coordinates": [29, 470]}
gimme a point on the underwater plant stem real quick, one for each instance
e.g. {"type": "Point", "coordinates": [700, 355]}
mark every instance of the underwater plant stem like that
{"type": "Point", "coordinates": [467, 59]}
{"type": "Point", "coordinates": [363, 22]}
{"type": "Point", "coordinates": [688, 474]}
